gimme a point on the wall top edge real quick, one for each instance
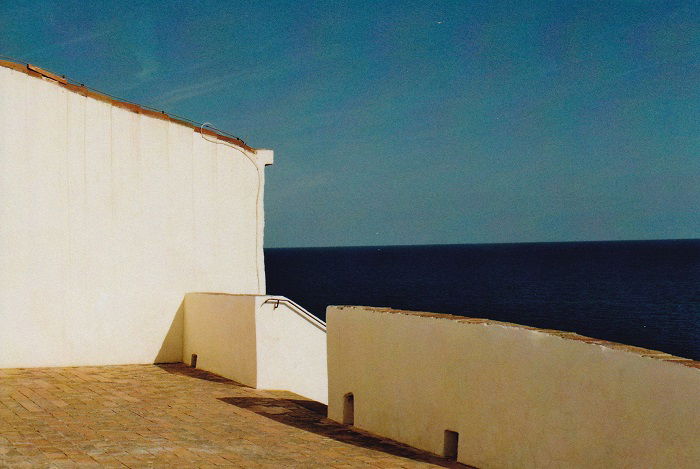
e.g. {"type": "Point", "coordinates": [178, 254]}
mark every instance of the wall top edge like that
{"type": "Point", "coordinates": [37, 72]}
{"type": "Point", "coordinates": [648, 353]}
{"type": "Point", "coordinates": [216, 293]}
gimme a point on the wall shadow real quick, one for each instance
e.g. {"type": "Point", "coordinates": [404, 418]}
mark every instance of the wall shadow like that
{"type": "Point", "coordinates": [310, 416]}
{"type": "Point", "coordinates": [185, 370]}
{"type": "Point", "coordinates": [171, 349]}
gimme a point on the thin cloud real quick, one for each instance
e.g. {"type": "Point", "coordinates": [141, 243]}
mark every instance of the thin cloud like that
{"type": "Point", "coordinates": [149, 67]}
{"type": "Point", "coordinates": [206, 87]}
{"type": "Point", "coordinates": [196, 89]}
{"type": "Point", "coordinates": [74, 40]}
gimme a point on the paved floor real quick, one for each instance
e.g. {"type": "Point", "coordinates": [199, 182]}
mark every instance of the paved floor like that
{"type": "Point", "coordinates": [174, 416]}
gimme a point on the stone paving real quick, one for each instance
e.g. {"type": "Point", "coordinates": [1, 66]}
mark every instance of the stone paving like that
{"type": "Point", "coordinates": [175, 416]}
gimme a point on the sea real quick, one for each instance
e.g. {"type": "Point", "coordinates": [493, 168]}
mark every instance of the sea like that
{"type": "Point", "coordinates": [643, 293]}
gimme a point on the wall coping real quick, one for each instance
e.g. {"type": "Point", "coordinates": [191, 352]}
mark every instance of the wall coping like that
{"type": "Point", "coordinates": [60, 80]}
{"type": "Point", "coordinates": [643, 352]}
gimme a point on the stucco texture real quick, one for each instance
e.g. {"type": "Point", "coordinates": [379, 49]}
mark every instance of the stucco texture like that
{"type": "Point", "coordinates": [109, 217]}
{"type": "Point", "coordinates": [518, 397]}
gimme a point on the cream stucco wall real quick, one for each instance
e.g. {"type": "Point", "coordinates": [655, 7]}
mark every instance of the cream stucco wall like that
{"type": "Point", "coordinates": [518, 397]}
{"type": "Point", "coordinates": [220, 330]}
{"type": "Point", "coordinates": [261, 341]}
{"type": "Point", "coordinates": [291, 350]}
{"type": "Point", "coordinates": [108, 217]}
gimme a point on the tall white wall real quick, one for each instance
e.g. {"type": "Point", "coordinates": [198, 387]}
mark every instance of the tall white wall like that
{"type": "Point", "coordinates": [518, 397]}
{"type": "Point", "coordinates": [107, 218]}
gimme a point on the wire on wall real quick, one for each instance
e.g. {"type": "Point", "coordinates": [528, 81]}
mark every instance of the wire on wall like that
{"type": "Point", "coordinates": [258, 169]}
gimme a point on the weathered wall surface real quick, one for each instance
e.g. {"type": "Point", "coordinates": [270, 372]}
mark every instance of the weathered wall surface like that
{"type": "Point", "coordinates": [243, 338]}
{"type": "Point", "coordinates": [108, 217]}
{"type": "Point", "coordinates": [518, 397]}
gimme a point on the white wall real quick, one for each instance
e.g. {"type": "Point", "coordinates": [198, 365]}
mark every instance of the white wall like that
{"type": "Point", "coordinates": [243, 338]}
{"type": "Point", "coordinates": [108, 217]}
{"type": "Point", "coordinates": [221, 330]}
{"type": "Point", "coordinates": [291, 350]}
{"type": "Point", "coordinates": [517, 396]}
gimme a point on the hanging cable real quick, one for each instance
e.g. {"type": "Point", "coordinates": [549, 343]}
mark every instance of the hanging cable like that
{"type": "Point", "coordinates": [258, 169]}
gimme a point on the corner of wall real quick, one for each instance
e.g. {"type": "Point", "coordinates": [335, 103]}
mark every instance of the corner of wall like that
{"type": "Point", "coordinates": [171, 351]}
{"type": "Point", "coordinates": [265, 156]}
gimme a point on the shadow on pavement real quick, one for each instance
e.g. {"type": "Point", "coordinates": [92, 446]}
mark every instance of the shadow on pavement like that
{"type": "Point", "coordinates": [310, 416]}
{"type": "Point", "coordinates": [185, 370]}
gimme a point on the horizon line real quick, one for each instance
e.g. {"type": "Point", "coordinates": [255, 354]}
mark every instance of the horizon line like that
{"type": "Point", "coordinates": [484, 244]}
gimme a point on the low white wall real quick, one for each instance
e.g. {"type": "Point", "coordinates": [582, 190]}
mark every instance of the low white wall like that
{"type": "Point", "coordinates": [221, 330]}
{"type": "Point", "coordinates": [108, 217]}
{"type": "Point", "coordinates": [291, 350]}
{"type": "Point", "coordinates": [517, 396]}
{"type": "Point", "coordinates": [269, 345]}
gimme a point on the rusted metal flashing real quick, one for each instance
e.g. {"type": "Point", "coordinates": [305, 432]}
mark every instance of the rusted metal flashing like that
{"type": "Point", "coordinates": [38, 72]}
{"type": "Point", "coordinates": [47, 74]}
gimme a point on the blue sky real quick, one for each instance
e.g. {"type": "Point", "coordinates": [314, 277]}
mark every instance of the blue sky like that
{"type": "Point", "coordinates": [416, 122]}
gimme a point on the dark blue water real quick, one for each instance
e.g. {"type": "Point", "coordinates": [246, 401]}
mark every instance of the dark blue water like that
{"type": "Point", "coordinates": [644, 293]}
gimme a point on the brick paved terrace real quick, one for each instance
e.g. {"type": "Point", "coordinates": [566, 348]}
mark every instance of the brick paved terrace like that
{"type": "Point", "coordinates": [175, 416]}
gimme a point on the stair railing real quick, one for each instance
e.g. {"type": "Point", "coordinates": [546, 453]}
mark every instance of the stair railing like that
{"type": "Point", "coordinates": [299, 310]}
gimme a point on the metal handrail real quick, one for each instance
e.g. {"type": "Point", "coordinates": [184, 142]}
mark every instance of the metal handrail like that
{"type": "Point", "coordinates": [299, 310]}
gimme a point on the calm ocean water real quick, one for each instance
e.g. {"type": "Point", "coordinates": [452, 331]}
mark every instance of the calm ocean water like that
{"type": "Point", "coordinates": [644, 293]}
